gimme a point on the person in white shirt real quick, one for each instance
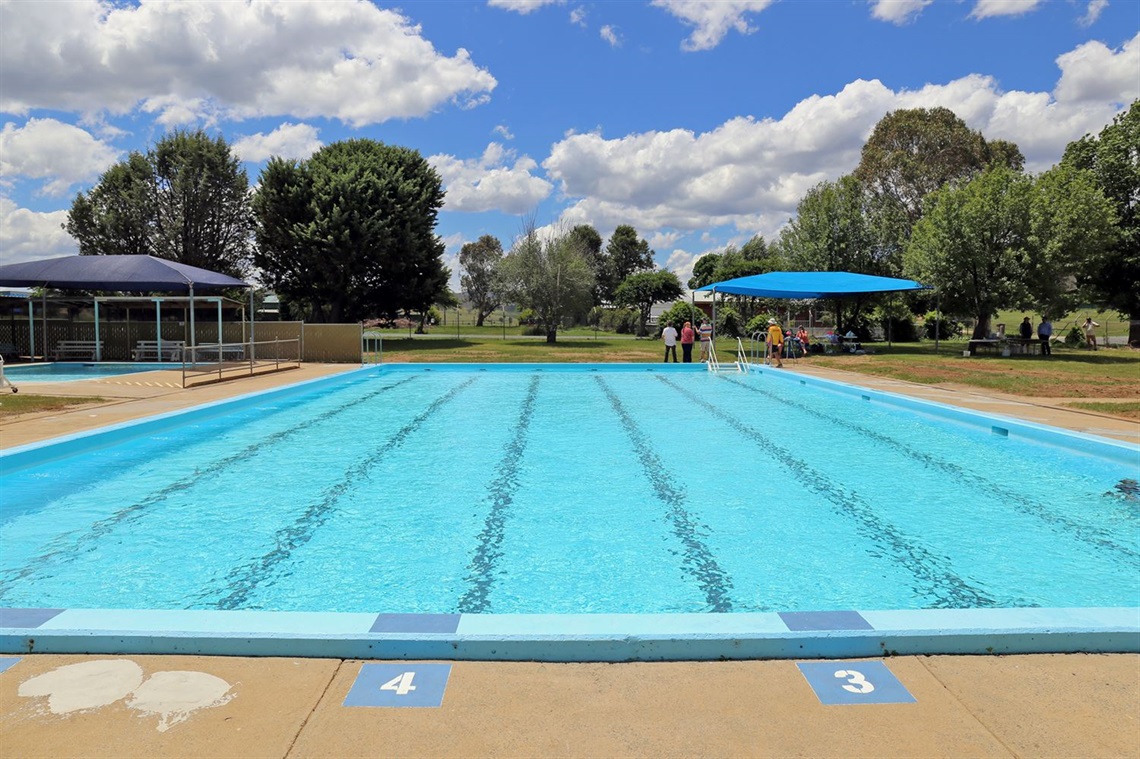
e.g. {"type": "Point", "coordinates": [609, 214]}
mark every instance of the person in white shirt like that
{"type": "Point", "coordinates": [669, 335]}
{"type": "Point", "coordinates": [1090, 332]}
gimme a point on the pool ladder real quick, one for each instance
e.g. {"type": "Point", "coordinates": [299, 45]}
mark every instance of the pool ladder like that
{"type": "Point", "coordinates": [740, 365]}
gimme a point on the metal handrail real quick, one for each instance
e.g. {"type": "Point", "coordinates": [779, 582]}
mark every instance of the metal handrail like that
{"type": "Point", "coordinates": [741, 359]}
{"type": "Point", "coordinates": [713, 364]}
{"type": "Point", "coordinates": [245, 353]}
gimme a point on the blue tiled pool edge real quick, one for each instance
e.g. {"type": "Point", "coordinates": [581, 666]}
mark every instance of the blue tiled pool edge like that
{"type": "Point", "coordinates": [570, 637]}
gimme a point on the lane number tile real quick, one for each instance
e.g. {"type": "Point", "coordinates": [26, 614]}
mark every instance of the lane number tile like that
{"type": "Point", "coordinates": [854, 682]}
{"type": "Point", "coordinates": [399, 684]}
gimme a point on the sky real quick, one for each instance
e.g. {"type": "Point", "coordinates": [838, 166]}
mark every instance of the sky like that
{"type": "Point", "coordinates": [701, 123]}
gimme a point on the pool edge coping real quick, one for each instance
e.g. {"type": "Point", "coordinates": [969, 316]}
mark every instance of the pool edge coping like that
{"type": "Point", "coordinates": [577, 637]}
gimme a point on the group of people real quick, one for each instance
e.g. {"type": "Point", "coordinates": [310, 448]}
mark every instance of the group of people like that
{"type": "Point", "coordinates": [1045, 333]}
{"type": "Point", "coordinates": [687, 337]}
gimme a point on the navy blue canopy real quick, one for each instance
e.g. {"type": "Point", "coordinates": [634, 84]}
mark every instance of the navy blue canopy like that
{"type": "Point", "coordinates": [114, 273]}
{"type": "Point", "coordinates": [804, 285]}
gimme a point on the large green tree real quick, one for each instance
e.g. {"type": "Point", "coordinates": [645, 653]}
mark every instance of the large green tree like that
{"type": "Point", "coordinates": [186, 199]}
{"type": "Point", "coordinates": [644, 288]}
{"type": "Point", "coordinates": [350, 232]}
{"type": "Point", "coordinates": [1113, 157]}
{"type": "Point", "coordinates": [625, 254]}
{"type": "Point", "coordinates": [551, 276]}
{"type": "Point", "coordinates": [973, 246]}
{"type": "Point", "coordinates": [833, 231]}
{"type": "Point", "coordinates": [478, 260]}
{"type": "Point", "coordinates": [586, 238]}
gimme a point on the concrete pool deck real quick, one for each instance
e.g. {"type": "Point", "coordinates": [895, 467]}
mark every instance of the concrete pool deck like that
{"type": "Point", "coordinates": [1032, 705]}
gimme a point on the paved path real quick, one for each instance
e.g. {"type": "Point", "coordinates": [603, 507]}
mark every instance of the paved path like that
{"type": "Point", "coordinates": [170, 706]}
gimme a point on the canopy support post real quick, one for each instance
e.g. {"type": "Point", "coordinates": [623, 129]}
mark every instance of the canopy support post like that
{"type": "Point", "coordinates": [158, 323]}
{"type": "Point", "coordinates": [98, 344]}
{"type": "Point", "coordinates": [43, 323]}
{"type": "Point", "coordinates": [193, 331]}
{"type": "Point", "coordinates": [32, 329]}
{"type": "Point", "coordinates": [937, 319]}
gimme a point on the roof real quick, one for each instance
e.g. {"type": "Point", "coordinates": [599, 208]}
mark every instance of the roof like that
{"type": "Point", "coordinates": [811, 284]}
{"type": "Point", "coordinates": [114, 273]}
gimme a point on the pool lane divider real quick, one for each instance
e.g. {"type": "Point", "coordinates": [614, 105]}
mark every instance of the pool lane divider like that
{"type": "Point", "coordinates": [572, 637]}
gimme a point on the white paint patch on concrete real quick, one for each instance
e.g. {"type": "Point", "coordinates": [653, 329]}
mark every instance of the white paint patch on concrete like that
{"type": "Point", "coordinates": [174, 695]}
{"type": "Point", "coordinates": [87, 685]}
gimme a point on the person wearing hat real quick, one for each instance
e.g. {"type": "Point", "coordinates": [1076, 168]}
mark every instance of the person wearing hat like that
{"type": "Point", "coordinates": [775, 342]}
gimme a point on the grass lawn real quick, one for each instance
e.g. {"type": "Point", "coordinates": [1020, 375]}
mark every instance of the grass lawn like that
{"type": "Point", "coordinates": [16, 404]}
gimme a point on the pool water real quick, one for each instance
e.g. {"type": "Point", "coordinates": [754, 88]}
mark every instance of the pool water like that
{"type": "Point", "coordinates": [68, 371]}
{"type": "Point", "coordinates": [560, 490]}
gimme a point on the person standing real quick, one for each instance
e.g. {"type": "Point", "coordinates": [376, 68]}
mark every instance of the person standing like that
{"type": "Point", "coordinates": [669, 335]}
{"type": "Point", "coordinates": [706, 338]}
{"type": "Point", "coordinates": [687, 338]}
{"type": "Point", "coordinates": [775, 342]}
{"type": "Point", "coordinates": [1044, 334]}
{"type": "Point", "coordinates": [1090, 332]}
{"type": "Point", "coordinates": [1026, 329]}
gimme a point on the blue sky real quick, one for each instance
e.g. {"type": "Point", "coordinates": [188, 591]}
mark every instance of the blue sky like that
{"type": "Point", "coordinates": [701, 123]}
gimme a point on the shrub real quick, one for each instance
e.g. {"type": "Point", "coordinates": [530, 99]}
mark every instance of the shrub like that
{"type": "Point", "coordinates": [728, 322]}
{"type": "Point", "coordinates": [758, 323]}
{"type": "Point", "coordinates": [679, 313]}
{"type": "Point", "coordinates": [620, 320]}
{"type": "Point", "coordinates": [948, 326]}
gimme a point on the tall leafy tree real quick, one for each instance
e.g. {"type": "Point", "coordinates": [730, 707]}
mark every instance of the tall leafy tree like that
{"type": "Point", "coordinates": [550, 276]}
{"type": "Point", "coordinates": [973, 245]}
{"type": "Point", "coordinates": [642, 289]}
{"type": "Point", "coordinates": [833, 231]}
{"type": "Point", "coordinates": [1113, 157]}
{"type": "Point", "coordinates": [626, 254]}
{"type": "Point", "coordinates": [351, 231]}
{"type": "Point", "coordinates": [186, 199]}
{"type": "Point", "coordinates": [587, 239]}
{"type": "Point", "coordinates": [478, 260]}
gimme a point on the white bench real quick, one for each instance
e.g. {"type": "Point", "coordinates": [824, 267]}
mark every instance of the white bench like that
{"type": "Point", "coordinates": [151, 350]}
{"type": "Point", "coordinates": [78, 349]}
{"type": "Point", "coordinates": [225, 352]}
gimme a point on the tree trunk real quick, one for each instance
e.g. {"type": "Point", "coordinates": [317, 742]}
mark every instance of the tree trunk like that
{"type": "Point", "coordinates": [551, 334]}
{"type": "Point", "coordinates": [1134, 331]}
{"type": "Point", "coordinates": [981, 327]}
{"type": "Point", "coordinates": [479, 319]}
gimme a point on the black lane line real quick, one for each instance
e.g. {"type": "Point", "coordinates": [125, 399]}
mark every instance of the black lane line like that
{"type": "Point", "coordinates": [244, 579]}
{"type": "Point", "coordinates": [698, 560]}
{"type": "Point", "coordinates": [481, 570]}
{"type": "Point", "coordinates": [1083, 532]}
{"type": "Point", "coordinates": [58, 553]}
{"type": "Point", "coordinates": [950, 590]}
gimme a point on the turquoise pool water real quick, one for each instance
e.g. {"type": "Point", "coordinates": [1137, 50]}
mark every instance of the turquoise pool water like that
{"type": "Point", "coordinates": [69, 371]}
{"type": "Point", "coordinates": [571, 489]}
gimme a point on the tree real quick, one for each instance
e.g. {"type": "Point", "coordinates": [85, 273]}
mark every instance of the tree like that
{"type": "Point", "coordinates": [587, 239]}
{"type": "Point", "coordinates": [625, 254]}
{"type": "Point", "coordinates": [913, 152]}
{"type": "Point", "coordinates": [551, 277]}
{"type": "Point", "coordinates": [973, 245]}
{"type": "Point", "coordinates": [833, 231]}
{"type": "Point", "coordinates": [643, 289]}
{"type": "Point", "coordinates": [1113, 157]}
{"type": "Point", "coordinates": [478, 260]}
{"type": "Point", "coordinates": [351, 231]}
{"type": "Point", "coordinates": [186, 200]}
{"type": "Point", "coordinates": [704, 271]}
{"type": "Point", "coordinates": [1072, 230]}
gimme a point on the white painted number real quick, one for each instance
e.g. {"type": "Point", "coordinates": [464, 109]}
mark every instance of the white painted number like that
{"type": "Point", "coordinates": [403, 683]}
{"type": "Point", "coordinates": [858, 683]}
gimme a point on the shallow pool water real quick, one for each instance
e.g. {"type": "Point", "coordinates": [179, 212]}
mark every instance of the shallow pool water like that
{"type": "Point", "coordinates": [557, 490]}
{"type": "Point", "coordinates": [70, 371]}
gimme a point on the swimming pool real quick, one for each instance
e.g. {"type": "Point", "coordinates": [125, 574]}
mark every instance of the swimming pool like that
{"type": "Point", "coordinates": [616, 495]}
{"type": "Point", "coordinates": [69, 371]}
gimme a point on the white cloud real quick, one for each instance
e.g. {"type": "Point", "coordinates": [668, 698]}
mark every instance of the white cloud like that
{"type": "Point", "coordinates": [193, 61]}
{"type": "Point", "coordinates": [898, 11]}
{"type": "Point", "coordinates": [27, 235]}
{"type": "Point", "coordinates": [488, 183]}
{"type": "Point", "coordinates": [296, 141]}
{"type": "Point", "coordinates": [1094, 73]}
{"type": "Point", "coordinates": [751, 173]}
{"type": "Point", "coordinates": [1093, 13]}
{"type": "Point", "coordinates": [712, 19]}
{"type": "Point", "coordinates": [990, 8]}
{"type": "Point", "coordinates": [522, 6]}
{"type": "Point", "coordinates": [50, 150]}
{"type": "Point", "coordinates": [578, 16]}
{"type": "Point", "coordinates": [609, 34]}
{"type": "Point", "coordinates": [503, 131]}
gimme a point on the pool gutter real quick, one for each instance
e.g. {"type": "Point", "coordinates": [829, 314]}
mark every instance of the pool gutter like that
{"type": "Point", "coordinates": [571, 637]}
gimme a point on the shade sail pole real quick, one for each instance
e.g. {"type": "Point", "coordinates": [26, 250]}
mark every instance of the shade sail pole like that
{"type": "Point", "coordinates": [43, 322]}
{"type": "Point", "coordinates": [193, 331]}
{"type": "Point", "coordinates": [32, 328]}
{"type": "Point", "coordinates": [98, 344]}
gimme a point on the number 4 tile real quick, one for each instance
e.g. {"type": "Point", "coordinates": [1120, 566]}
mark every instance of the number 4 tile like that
{"type": "Point", "coordinates": [401, 684]}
